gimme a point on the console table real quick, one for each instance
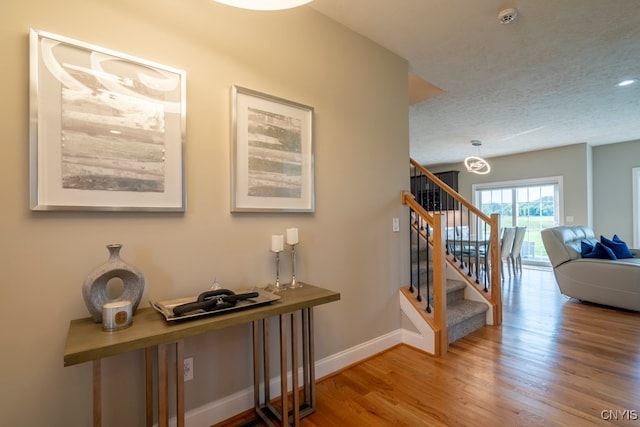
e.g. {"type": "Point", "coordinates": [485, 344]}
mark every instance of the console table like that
{"type": "Point", "coordinates": [86, 342]}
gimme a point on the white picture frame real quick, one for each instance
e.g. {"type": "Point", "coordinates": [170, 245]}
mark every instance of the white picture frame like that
{"type": "Point", "coordinates": [272, 164]}
{"type": "Point", "coordinates": [107, 130]}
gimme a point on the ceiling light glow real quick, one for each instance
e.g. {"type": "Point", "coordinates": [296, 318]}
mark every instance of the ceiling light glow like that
{"type": "Point", "coordinates": [264, 4]}
{"type": "Point", "coordinates": [477, 164]}
{"type": "Point", "coordinates": [627, 82]}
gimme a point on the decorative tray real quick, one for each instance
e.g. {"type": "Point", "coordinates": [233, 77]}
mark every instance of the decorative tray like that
{"type": "Point", "coordinates": [166, 307]}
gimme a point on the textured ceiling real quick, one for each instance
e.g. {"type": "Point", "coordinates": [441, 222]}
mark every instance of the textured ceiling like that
{"type": "Point", "coordinates": [547, 79]}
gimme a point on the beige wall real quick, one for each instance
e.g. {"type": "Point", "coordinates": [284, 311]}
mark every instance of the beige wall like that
{"type": "Point", "coordinates": [359, 94]}
{"type": "Point", "coordinates": [597, 181]}
{"type": "Point", "coordinates": [571, 162]}
{"type": "Point", "coordinates": [613, 188]}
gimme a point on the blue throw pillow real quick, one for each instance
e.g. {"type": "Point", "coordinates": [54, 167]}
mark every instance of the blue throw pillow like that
{"type": "Point", "coordinates": [585, 247]}
{"type": "Point", "coordinates": [622, 242]}
{"type": "Point", "coordinates": [619, 247]}
{"type": "Point", "coordinates": [600, 251]}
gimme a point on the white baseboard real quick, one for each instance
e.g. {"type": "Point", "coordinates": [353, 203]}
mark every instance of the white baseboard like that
{"type": "Point", "coordinates": [219, 410]}
{"type": "Point", "coordinates": [348, 357]}
{"type": "Point", "coordinates": [418, 341]}
{"type": "Point", "coordinates": [229, 406]}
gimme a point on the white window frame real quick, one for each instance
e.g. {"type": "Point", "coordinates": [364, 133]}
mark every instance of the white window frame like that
{"type": "Point", "coordinates": [548, 180]}
{"type": "Point", "coordinates": [526, 183]}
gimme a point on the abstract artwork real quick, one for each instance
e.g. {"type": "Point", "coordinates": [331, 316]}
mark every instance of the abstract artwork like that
{"type": "Point", "coordinates": [272, 165]}
{"type": "Point", "coordinates": [107, 129]}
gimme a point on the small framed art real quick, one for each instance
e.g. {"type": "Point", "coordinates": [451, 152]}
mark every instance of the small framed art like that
{"type": "Point", "coordinates": [272, 163]}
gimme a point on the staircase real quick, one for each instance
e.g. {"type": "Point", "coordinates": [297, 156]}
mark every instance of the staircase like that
{"type": "Point", "coordinates": [454, 289]}
{"type": "Point", "coordinates": [463, 315]}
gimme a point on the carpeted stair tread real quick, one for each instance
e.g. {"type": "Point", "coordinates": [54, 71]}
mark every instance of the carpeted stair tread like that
{"type": "Point", "coordinates": [463, 310]}
{"type": "Point", "coordinates": [465, 317]}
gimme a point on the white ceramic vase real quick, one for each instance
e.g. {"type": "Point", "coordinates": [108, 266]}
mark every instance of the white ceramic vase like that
{"type": "Point", "coordinates": [95, 290]}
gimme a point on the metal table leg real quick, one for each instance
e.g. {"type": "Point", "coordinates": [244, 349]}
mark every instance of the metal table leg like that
{"type": "Point", "coordinates": [288, 413]}
{"type": "Point", "coordinates": [162, 386]}
{"type": "Point", "coordinates": [97, 393]}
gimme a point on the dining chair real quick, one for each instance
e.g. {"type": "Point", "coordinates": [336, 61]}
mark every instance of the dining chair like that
{"type": "Point", "coordinates": [506, 244]}
{"type": "Point", "coordinates": [516, 249]}
{"type": "Point", "coordinates": [478, 251]}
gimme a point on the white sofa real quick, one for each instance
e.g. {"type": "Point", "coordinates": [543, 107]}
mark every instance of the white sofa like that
{"type": "Point", "coordinates": [608, 282]}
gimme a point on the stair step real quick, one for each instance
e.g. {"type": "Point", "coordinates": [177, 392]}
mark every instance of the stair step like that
{"type": "Point", "coordinates": [455, 285]}
{"type": "Point", "coordinates": [454, 289]}
{"type": "Point", "coordinates": [464, 317]}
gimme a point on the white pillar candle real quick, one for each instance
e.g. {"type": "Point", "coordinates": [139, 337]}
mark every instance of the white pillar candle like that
{"type": "Point", "coordinates": [277, 243]}
{"type": "Point", "coordinates": [292, 236]}
{"type": "Point", "coordinates": [116, 315]}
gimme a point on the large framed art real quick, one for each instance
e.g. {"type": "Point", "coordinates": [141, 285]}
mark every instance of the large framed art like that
{"type": "Point", "coordinates": [272, 163]}
{"type": "Point", "coordinates": [107, 130]}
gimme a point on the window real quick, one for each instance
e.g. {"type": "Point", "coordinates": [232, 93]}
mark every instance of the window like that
{"type": "Point", "coordinates": [532, 203]}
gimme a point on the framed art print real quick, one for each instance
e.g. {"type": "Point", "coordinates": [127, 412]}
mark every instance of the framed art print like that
{"type": "Point", "coordinates": [107, 130]}
{"type": "Point", "coordinates": [272, 163]}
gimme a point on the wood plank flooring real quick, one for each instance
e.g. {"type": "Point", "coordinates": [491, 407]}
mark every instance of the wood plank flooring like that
{"type": "Point", "coordinates": [554, 362]}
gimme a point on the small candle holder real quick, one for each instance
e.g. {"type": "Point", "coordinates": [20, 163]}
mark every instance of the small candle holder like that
{"type": "Point", "coordinates": [277, 287]}
{"type": "Point", "coordinates": [294, 284]}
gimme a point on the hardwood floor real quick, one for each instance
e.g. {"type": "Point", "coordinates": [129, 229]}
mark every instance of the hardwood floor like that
{"type": "Point", "coordinates": [554, 362]}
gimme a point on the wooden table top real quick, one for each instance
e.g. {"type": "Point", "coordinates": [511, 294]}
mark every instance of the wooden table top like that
{"type": "Point", "coordinates": [86, 341]}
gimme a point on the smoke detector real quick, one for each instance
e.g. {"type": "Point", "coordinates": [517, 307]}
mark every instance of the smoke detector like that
{"type": "Point", "coordinates": [507, 16]}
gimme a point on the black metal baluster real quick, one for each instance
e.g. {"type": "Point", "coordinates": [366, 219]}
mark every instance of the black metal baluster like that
{"type": "Point", "coordinates": [473, 250]}
{"type": "Point", "coordinates": [487, 278]}
{"type": "Point", "coordinates": [411, 256]}
{"type": "Point", "coordinates": [419, 297]}
{"type": "Point", "coordinates": [427, 235]}
{"type": "Point", "coordinates": [457, 242]}
{"type": "Point", "coordinates": [477, 246]}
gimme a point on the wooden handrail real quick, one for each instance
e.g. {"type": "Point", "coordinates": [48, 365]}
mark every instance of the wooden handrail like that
{"type": "Point", "coordinates": [453, 193]}
{"type": "Point", "coordinates": [492, 293]}
{"type": "Point", "coordinates": [409, 199]}
{"type": "Point", "coordinates": [438, 321]}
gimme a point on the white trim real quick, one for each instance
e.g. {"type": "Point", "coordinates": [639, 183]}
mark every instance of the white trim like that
{"type": "Point", "coordinates": [425, 338]}
{"type": "Point", "coordinates": [635, 176]}
{"type": "Point", "coordinates": [241, 401]}
{"type": "Point", "coordinates": [232, 405]}
{"type": "Point", "coordinates": [554, 180]}
{"type": "Point", "coordinates": [353, 355]}
{"type": "Point", "coordinates": [416, 340]}
{"type": "Point", "coordinates": [472, 293]}
{"type": "Point", "coordinates": [518, 183]}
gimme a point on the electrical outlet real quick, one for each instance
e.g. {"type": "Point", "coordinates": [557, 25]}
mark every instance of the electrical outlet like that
{"type": "Point", "coordinates": [188, 369]}
{"type": "Point", "coordinates": [396, 225]}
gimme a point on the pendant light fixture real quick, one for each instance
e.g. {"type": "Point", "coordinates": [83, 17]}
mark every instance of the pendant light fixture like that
{"type": "Point", "coordinates": [477, 164]}
{"type": "Point", "coordinates": [264, 4]}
